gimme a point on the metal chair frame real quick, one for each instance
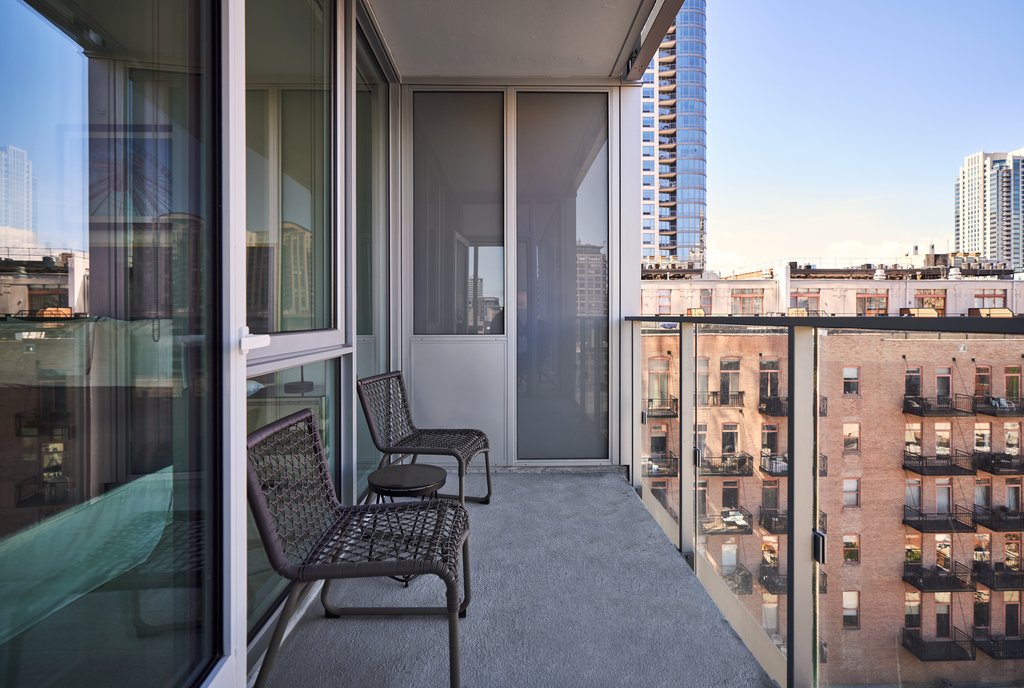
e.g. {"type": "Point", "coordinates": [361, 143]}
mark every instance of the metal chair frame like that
{"type": "Point", "coordinates": [309, 536]}
{"type": "Point", "coordinates": [385, 404]}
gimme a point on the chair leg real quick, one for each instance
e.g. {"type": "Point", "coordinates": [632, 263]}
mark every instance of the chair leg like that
{"type": "Point", "coordinates": [486, 499]}
{"type": "Point", "coordinates": [453, 634]}
{"type": "Point", "coordinates": [466, 588]}
{"type": "Point", "coordinates": [282, 623]}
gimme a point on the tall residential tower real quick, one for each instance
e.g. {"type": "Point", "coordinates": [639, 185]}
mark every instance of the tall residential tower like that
{"type": "Point", "coordinates": [17, 208]}
{"type": "Point", "coordinates": [674, 150]}
{"type": "Point", "coordinates": [988, 216]}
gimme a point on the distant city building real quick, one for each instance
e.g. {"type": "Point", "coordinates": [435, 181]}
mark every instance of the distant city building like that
{"type": "Point", "coordinates": [989, 206]}
{"type": "Point", "coordinates": [17, 202]}
{"type": "Point", "coordinates": [674, 150]}
{"type": "Point", "coordinates": [591, 280]}
{"type": "Point", "coordinates": [948, 284]}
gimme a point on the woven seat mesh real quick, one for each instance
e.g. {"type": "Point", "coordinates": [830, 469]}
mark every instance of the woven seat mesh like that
{"type": "Point", "coordinates": [314, 532]}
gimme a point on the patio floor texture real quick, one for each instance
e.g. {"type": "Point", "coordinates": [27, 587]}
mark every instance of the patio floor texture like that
{"type": "Point", "coordinates": [574, 584]}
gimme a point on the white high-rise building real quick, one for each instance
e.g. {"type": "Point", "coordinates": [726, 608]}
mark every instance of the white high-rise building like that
{"type": "Point", "coordinates": [17, 210]}
{"type": "Point", "coordinates": [989, 206]}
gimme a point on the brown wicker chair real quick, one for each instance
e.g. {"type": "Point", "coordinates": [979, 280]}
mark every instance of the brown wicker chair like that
{"type": "Point", "coordinates": [386, 407]}
{"type": "Point", "coordinates": [309, 536]}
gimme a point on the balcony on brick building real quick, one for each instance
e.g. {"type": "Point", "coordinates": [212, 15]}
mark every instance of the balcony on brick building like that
{"type": "Point", "coordinates": [773, 406]}
{"type": "Point", "coordinates": [958, 648]}
{"type": "Point", "coordinates": [958, 463]}
{"type": "Point", "coordinates": [999, 518]}
{"type": "Point", "coordinates": [998, 577]}
{"type": "Point", "coordinates": [740, 580]}
{"type": "Point", "coordinates": [740, 464]}
{"type": "Point", "coordinates": [774, 520]}
{"type": "Point", "coordinates": [998, 647]}
{"type": "Point", "coordinates": [998, 406]}
{"type": "Point", "coordinates": [959, 520]}
{"type": "Point", "coordinates": [956, 405]}
{"type": "Point", "coordinates": [998, 463]}
{"type": "Point", "coordinates": [955, 577]}
{"type": "Point", "coordinates": [663, 407]}
{"type": "Point", "coordinates": [772, 580]}
{"type": "Point", "coordinates": [732, 521]}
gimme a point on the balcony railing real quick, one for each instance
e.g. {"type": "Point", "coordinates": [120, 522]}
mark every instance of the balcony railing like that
{"type": "Point", "coordinates": [998, 463]}
{"type": "Point", "coordinates": [960, 520]}
{"type": "Point", "coordinates": [999, 519]}
{"type": "Point", "coordinates": [772, 581]}
{"type": "Point", "coordinates": [739, 580]}
{"type": "Point", "coordinates": [774, 520]}
{"type": "Point", "coordinates": [958, 463]}
{"type": "Point", "coordinates": [661, 465]}
{"type": "Point", "coordinates": [958, 648]}
{"type": "Point", "coordinates": [998, 406]}
{"type": "Point", "coordinates": [741, 464]}
{"type": "Point", "coordinates": [998, 647]}
{"type": "Point", "coordinates": [35, 423]}
{"type": "Point", "coordinates": [720, 398]}
{"type": "Point", "coordinates": [998, 577]}
{"type": "Point", "coordinates": [957, 405]}
{"type": "Point", "coordinates": [775, 464]}
{"type": "Point", "coordinates": [957, 578]}
{"type": "Point", "coordinates": [734, 521]}
{"type": "Point", "coordinates": [773, 406]}
{"type": "Point", "coordinates": [663, 407]}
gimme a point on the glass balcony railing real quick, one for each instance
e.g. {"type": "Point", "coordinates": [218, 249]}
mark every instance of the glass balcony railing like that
{"type": "Point", "coordinates": [841, 518]}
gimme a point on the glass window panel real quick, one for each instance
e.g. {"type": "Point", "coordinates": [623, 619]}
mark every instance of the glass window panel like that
{"type": "Point", "coordinates": [289, 186]}
{"type": "Point", "coordinates": [271, 397]}
{"type": "Point", "coordinates": [562, 275]}
{"type": "Point", "coordinates": [458, 213]}
{"type": "Point", "coordinates": [109, 420]}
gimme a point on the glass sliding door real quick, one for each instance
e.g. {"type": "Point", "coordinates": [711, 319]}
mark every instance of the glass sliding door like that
{"type": "Point", "coordinates": [291, 236]}
{"type": "Point", "coordinates": [371, 237]}
{"type": "Point", "coordinates": [562, 275]}
{"type": "Point", "coordinates": [109, 321]}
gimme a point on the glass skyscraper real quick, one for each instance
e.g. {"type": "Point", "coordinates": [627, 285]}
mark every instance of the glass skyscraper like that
{"type": "Point", "coordinates": [675, 151]}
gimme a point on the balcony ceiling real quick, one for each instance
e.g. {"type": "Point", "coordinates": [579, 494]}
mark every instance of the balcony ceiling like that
{"type": "Point", "coordinates": [498, 39]}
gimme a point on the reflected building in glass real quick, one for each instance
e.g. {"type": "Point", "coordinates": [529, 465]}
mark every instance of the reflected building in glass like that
{"type": "Point", "coordinates": [674, 150]}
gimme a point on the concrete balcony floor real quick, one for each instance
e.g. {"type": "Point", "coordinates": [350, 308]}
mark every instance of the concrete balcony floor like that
{"type": "Point", "coordinates": [574, 584]}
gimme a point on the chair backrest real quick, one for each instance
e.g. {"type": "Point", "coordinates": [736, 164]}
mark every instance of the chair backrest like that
{"type": "Point", "coordinates": [290, 492]}
{"type": "Point", "coordinates": [386, 407]}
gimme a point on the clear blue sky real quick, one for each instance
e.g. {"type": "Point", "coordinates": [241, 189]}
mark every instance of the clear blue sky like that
{"type": "Point", "coordinates": [837, 128]}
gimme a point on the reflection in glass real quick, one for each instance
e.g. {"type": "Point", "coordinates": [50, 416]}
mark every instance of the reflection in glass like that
{"type": "Point", "coordinates": [107, 233]}
{"type": "Point", "coordinates": [271, 397]}
{"type": "Point", "coordinates": [371, 239]}
{"type": "Point", "coordinates": [289, 241]}
{"type": "Point", "coordinates": [562, 275]}
{"type": "Point", "coordinates": [458, 215]}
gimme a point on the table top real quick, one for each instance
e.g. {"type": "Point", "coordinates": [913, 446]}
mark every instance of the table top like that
{"type": "Point", "coordinates": [407, 480]}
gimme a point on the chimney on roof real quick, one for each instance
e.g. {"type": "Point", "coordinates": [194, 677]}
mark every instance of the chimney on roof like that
{"type": "Point", "coordinates": [915, 249]}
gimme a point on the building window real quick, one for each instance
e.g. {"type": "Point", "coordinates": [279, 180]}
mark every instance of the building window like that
{"type": "Point", "coordinates": [1011, 377]}
{"type": "Point", "coordinates": [982, 548]}
{"type": "Point", "coordinates": [1011, 613]}
{"type": "Point", "coordinates": [912, 610]}
{"type": "Point", "coordinates": [942, 625]}
{"type": "Point", "coordinates": [851, 437]}
{"type": "Point", "coordinates": [851, 492]}
{"type": "Point", "coordinates": [1011, 550]}
{"type": "Point", "coordinates": [730, 494]}
{"type": "Point", "coordinates": [942, 435]}
{"type": "Point", "coordinates": [703, 395]}
{"type": "Point", "coordinates": [851, 609]}
{"type": "Point", "coordinates": [943, 551]}
{"type": "Point", "coordinates": [982, 437]}
{"type": "Point", "coordinates": [701, 439]}
{"type": "Point", "coordinates": [768, 378]}
{"type": "Point", "coordinates": [983, 381]}
{"type": "Point", "coordinates": [851, 549]}
{"type": "Point", "coordinates": [872, 302]}
{"type": "Point", "coordinates": [990, 298]}
{"type": "Point", "coordinates": [983, 492]}
{"type": "Point", "coordinates": [658, 379]}
{"type": "Point", "coordinates": [705, 301]}
{"type": "Point", "coordinates": [851, 380]}
{"type": "Point", "coordinates": [809, 299]}
{"type": "Point", "coordinates": [912, 439]}
{"type": "Point", "coordinates": [664, 302]}
{"type": "Point", "coordinates": [982, 609]}
{"type": "Point", "coordinates": [730, 438]}
{"type": "Point", "coordinates": [912, 549]}
{"type": "Point", "coordinates": [747, 301]}
{"type": "Point", "coordinates": [912, 382]}
{"type": "Point", "coordinates": [1013, 494]}
{"type": "Point", "coordinates": [931, 298]}
{"type": "Point", "coordinates": [943, 383]}
{"type": "Point", "coordinates": [769, 440]}
{"type": "Point", "coordinates": [912, 493]}
{"type": "Point", "coordinates": [1011, 438]}
{"type": "Point", "coordinates": [729, 382]}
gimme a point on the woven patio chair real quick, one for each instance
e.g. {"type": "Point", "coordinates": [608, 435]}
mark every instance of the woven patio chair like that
{"type": "Point", "coordinates": [309, 536]}
{"type": "Point", "coordinates": [386, 407]}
